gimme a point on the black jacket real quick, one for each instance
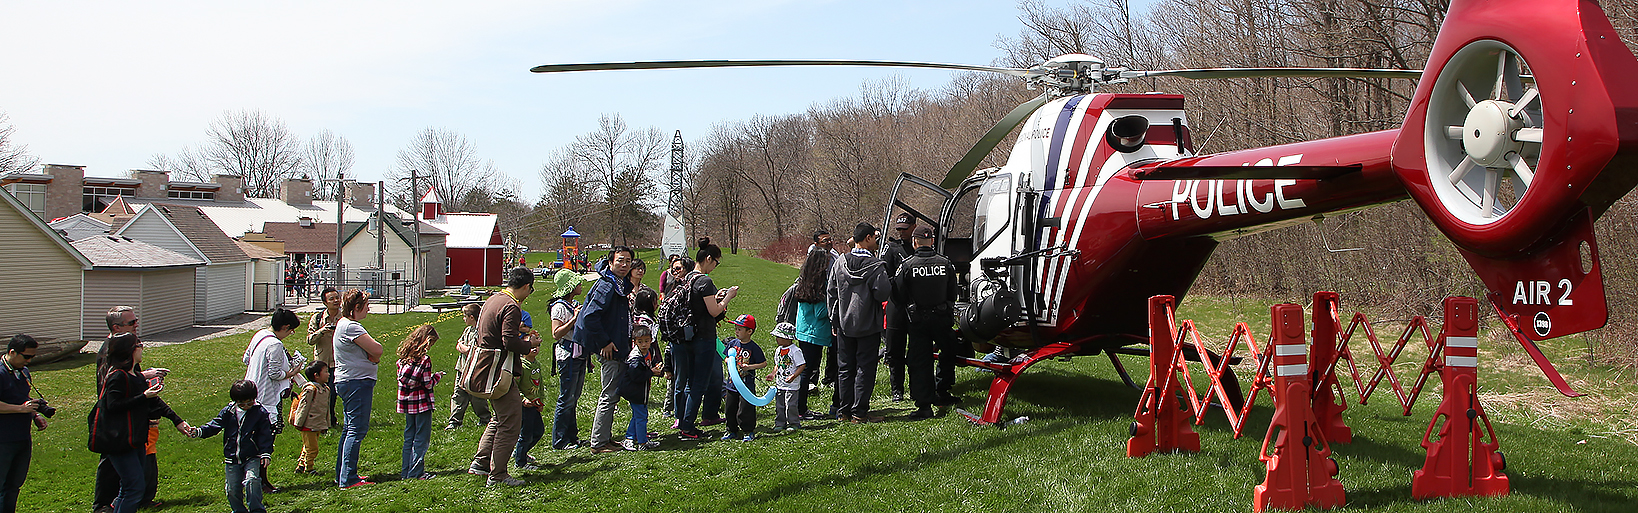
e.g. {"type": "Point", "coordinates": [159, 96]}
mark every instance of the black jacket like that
{"type": "Point", "coordinates": [243, 442]}
{"type": "Point", "coordinates": [120, 421]}
{"type": "Point", "coordinates": [926, 286]}
{"type": "Point", "coordinates": [894, 253]}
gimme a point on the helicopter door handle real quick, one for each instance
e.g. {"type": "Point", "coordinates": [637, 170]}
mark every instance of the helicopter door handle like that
{"type": "Point", "coordinates": [1054, 222]}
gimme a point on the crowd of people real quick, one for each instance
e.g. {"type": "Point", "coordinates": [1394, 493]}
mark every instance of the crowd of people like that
{"type": "Point", "coordinates": [844, 299]}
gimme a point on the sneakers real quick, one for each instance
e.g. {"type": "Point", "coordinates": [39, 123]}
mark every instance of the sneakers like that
{"type": "Point", "coordinates": [676, 423]}
{"type": "Point", "coordinates": [634, 446]}
{"type": "Point", "coordinates": [694, 434]}
{"type": "Point", "coordinates": [729, 436]}
{"type": "Point", "coordinates": [748, 437]}
{"type": "Point", "coordinates": [508, 481]}
{"type": "Point", "coordinates": [792, 428]}
{"type": "Point", "coordinates": [360, 482]}
{"type": "Point", "coordinates": [868, 418]}
{"type": "Point", "coordinates": [712, 422]}
{"type": "Point", "coordinates": [528, 466]}
{"type": "Point", "coordinates": [605, 448]}
{"type": "Point", "coordinates": [426, 475]}
{"type": "Point", "coordinates": [813, 415]}
{"type": "Point", "coordinates": [898, 396]}
{"type": "Point", "coordinates": [476, 470]}
{"type": "Point", "coordinates": [451, 426]}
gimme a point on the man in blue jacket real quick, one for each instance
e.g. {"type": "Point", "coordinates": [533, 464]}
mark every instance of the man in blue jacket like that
{"type": "Point", "coordinates": [604, 328]}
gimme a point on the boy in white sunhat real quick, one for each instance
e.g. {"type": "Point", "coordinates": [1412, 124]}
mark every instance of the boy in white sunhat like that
{"type": "Point", "coordinates": [787, 377]}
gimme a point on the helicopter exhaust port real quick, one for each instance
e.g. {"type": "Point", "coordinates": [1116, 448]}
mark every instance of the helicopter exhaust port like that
{"type": "Point", "coordinates": [1127, 133]}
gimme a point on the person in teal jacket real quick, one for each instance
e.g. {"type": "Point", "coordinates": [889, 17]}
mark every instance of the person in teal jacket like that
{"type": "Point", "coordinates": [813, 329]}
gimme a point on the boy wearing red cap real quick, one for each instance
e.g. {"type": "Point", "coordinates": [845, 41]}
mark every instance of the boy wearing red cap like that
{"type": "Point", "coordinates": [741, 414]}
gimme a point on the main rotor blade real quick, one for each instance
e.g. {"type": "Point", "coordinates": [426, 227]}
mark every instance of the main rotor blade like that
{"type": "Point", "coordinates": [964, 168]}
{"type": "Point", "coordinates": [1205, 73]}
{"type": "Point", "coordinates": [726, 63]}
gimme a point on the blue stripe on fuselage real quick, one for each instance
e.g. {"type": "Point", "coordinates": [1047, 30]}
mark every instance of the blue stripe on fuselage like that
{"type": "Point", "coordinates": [1059, 130]}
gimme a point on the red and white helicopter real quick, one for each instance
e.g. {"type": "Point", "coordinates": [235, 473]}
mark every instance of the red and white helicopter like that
{"type": "Point", "coordinates": [1520, 134]}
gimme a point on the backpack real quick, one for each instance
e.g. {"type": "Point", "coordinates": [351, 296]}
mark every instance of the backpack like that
{"type": "Point", "coordinates": [787, 307]}
{"type": "Point", "coordinates": [676, 319]}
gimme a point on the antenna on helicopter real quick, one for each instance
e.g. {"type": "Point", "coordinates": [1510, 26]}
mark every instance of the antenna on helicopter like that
{"type": "Point", "coordinates": [1319, 224]}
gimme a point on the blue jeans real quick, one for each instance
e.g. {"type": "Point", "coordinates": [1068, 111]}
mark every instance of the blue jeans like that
{"type": "Point", "coordinates": [14, 458]}
{"type": "Point", "coordinates": [637, 429]}
{"type": "Point", "coordinates": [701, 387]}
{"type": "Point", "coordinates": [533, 428]}
{"type": "Point", "coordinates": [356, 396]}
{"type": "Point", "coordinates": [571, 379]}
{"type": "Point", "coordinates": [417, 433]}
{"type": "Point", "coordinates": [128, 466]}
{"type": "Point", "coordinates": [244, 486]}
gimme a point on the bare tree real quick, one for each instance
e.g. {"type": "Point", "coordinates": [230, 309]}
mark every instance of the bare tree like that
{"type": "Point", "coordinates": [448, 162]}
{"type": "Point", "coordinates": [13, 156]}
{"type": "Point", "coordinates": [613, 151]}
{"type": "Point", "coordinates": [326, 156]}
{"type": "Point", "coordinates": [252, 145]}
{"type": "Point", "coordinates": [186, 163]}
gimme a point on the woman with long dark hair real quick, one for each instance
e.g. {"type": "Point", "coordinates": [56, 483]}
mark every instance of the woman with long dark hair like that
{"type": "Point", "coordinates": [813, 329]}
{"type": "Point", "coordinates": [697, 359]}
{"type": "Point", "coordinates": [120, 429]}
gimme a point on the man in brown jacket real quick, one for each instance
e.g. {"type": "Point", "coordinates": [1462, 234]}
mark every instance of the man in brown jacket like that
{"type": "Point", "coordinates": [500, 326]}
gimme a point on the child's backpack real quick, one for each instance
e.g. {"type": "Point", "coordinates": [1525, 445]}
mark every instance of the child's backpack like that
{"type": "Point", "coordinates": [787, 307]}
{"type": "Point", "coordinates": [676, 319]}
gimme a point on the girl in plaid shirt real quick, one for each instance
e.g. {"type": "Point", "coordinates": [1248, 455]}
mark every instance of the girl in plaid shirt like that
{"type": "Point", "coordinates": [415, 382]}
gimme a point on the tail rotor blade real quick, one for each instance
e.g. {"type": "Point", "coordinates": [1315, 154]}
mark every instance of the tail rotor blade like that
{"type": "Point", "coordinates": [969, 162]}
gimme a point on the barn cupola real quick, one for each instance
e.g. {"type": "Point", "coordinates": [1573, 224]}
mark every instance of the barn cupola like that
{"type": "Point", "coordinates": [432, 208]}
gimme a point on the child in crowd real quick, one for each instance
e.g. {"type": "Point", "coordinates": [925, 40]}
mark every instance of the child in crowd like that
{"type": "Point", "coordinates": [641, 367]}
{"type": "Point", "coordinates": [741, 414]}
{"type": "Point", "coordinates": [415, 382]}
{"type": "Point", "coordinates": [787, 377]}
{"type": "Point", "coordinates": [528, 383]}
{"type": "Point", "coordinates": [459, 401]}
{"type": "Point", "coordinates": [569, 359]}
{"type": "Point", "coordinates": [247, 446]}
{"type": "Point", "coordinates": [311, 414]}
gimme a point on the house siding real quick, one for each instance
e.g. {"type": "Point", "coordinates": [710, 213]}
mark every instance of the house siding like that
{"type": "Point", "coordinates": [167, 300]}
{"type": "Point", "coordinates": [39, 279]}
{"type": "Point", "coordinates": [220, 291]}
{"type": "Point", "coordinates": [108, 289]}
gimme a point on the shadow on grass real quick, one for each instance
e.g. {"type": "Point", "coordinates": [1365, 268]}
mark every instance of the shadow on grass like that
{"type": "Point", "coordinates": [872, 470]}
{"type": "Point", "coordinates": [74, 361]}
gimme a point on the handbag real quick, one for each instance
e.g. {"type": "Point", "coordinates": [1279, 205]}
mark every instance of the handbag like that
{"type": "Point", "coordinates": [491, 374]}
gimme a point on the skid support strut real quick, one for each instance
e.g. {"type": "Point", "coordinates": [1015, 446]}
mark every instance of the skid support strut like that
{"type": "Point", "coordinates": [1460, 462]}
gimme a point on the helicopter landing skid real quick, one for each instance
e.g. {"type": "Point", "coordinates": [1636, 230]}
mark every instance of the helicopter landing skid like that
{"type": "Point", "coordinates": [1007, 372]}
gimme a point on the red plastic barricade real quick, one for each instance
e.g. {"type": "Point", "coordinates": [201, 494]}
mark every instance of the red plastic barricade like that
{"type": "Point", "coordinates": [1159, 423]}
{"type": "Point", "coordinates": [1301, 472]}
{"type": "Point", "coordinates": [1459, 461]}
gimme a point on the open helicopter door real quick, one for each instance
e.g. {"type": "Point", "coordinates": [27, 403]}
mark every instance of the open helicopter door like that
{"type": "Point", "coordinates": [919, 199]}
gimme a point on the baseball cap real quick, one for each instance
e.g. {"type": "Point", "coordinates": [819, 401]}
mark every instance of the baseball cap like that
{"type": "Point", "coordinates": [746, 321]}
{"type": "Point", "coordinates": [922, 232]}
{"type": "Point", "coordinates": [903, 220]}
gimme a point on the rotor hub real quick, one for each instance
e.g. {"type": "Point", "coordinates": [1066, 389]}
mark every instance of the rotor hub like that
{"type": "Point", "coordinates": [1487, 134]}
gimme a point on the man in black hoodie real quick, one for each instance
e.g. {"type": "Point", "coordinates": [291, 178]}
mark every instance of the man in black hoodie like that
{"type": "Point", "coordinates": [858, 286]}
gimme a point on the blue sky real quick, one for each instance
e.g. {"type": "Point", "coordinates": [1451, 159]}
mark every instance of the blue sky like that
{"type": "Point", "coordinates": [108, 84]}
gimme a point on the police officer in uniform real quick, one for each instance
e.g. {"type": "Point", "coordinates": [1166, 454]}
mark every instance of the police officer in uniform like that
{"type": "Point", "coordinates": [926, 286]}
{"type": "Point", "coordinates": [894, 253]}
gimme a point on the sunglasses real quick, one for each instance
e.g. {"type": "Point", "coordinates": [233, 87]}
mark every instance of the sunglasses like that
{"type": "Point", "coordinates": [27, 356]}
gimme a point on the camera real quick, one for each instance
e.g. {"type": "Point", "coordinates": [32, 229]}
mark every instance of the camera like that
{"type": "Point", "coordinates": [45, 409]}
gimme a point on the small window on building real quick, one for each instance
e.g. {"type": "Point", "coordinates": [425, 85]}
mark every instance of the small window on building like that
{"type": "Point", "coordinates": [446, 266]}
{"type": "Point", "coordinates": [201, 195]}
{"type": "Point", "coordinates": [31, 194]}
{"type": "Point", "coordinates": [95, 199]}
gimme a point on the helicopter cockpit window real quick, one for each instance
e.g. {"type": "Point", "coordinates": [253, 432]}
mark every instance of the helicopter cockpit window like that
{"type": "Point", "coordinates": [994, 207]}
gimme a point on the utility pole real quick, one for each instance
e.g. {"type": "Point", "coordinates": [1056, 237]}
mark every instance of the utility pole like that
{"type": "Point", "coordinates": [341, 210]}
{"type": "Point", "coordinates": [415, 225]}
{"type": "Point", "coordinates": [380, 228]}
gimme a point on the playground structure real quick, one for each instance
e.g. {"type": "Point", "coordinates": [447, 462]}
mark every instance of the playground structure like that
{"type": "Point", "coordinates": [1462, 451]}
{"type": "Point", "coordinates": [570, 256]}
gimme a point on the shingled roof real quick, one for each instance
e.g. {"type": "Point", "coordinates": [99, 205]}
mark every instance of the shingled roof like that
{"type": "Point", "coordinates": [314, 238]}
{"type": "Point", "coordinates": [191, 222]}
{"type": "Point", "coordinates": [112, 251]}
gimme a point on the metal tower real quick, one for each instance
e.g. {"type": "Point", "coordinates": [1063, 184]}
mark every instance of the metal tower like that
{"type": "Point", "coordinates": [674, 202]}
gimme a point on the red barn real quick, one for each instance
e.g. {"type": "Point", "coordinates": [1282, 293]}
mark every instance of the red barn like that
{"type": "Point", "coordinates": [474, 245]}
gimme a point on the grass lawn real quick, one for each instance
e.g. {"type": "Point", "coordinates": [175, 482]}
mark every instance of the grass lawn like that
{"type": "Point", "coordinates": [1069, 457]}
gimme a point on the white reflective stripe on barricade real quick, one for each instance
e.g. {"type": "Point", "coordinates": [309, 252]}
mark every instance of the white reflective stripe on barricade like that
{"type": "Point", "coordinates": [1462, 361]}
{"type": "Point", "coordinates": [1462, 341]}
{"type": "Point", "coordinates": [1291, 370]}
{"type": "Point", "coordinates": [1290, 350]}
